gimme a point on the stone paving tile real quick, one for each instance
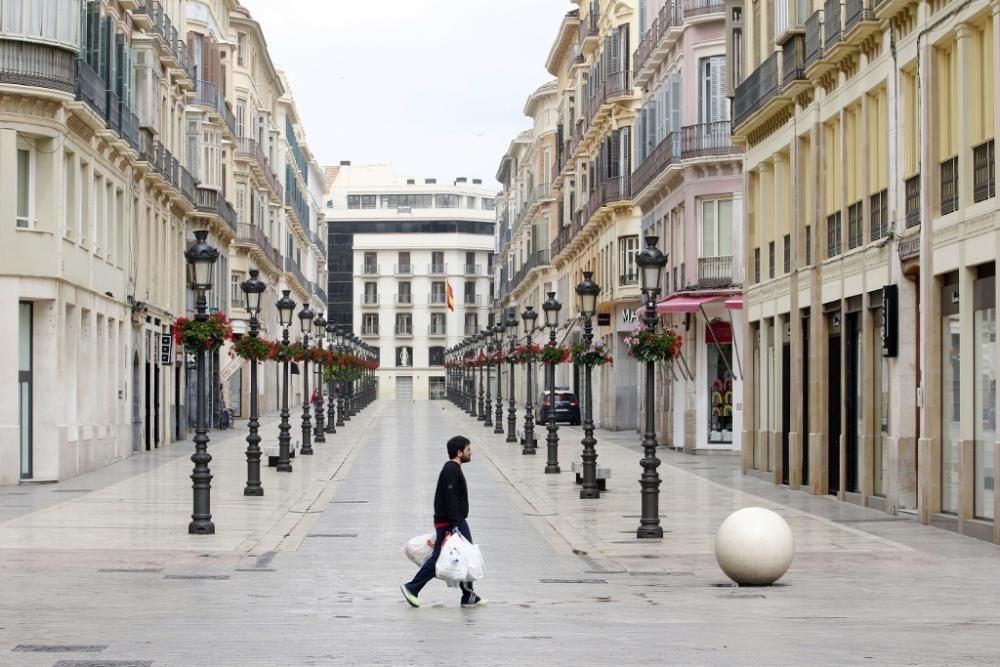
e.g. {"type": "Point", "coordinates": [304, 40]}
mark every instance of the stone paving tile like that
{"type": "Point", "coordinates": [879, 593]}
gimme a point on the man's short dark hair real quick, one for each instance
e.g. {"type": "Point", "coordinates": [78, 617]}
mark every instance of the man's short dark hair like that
{"type": "Point", "coordinates": [457, 444]}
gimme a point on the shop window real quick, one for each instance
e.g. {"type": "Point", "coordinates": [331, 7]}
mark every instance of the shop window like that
{"type": "Point", "coordinates": [719, 342]}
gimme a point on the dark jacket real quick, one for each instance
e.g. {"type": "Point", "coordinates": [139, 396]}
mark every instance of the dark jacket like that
{"type": "Point", "coordinates": [451, 499]}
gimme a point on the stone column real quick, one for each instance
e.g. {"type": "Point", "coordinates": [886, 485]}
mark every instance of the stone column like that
{"type": "Point", "coordinates": [818, 332]}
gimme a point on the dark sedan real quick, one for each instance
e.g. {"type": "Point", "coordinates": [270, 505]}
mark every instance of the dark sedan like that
{"type": "Point", "coordinates": [567, 408]}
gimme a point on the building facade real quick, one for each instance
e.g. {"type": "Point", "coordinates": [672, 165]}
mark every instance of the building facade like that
{"type": "Point", "coordinates": [119, 136]}
{"type": "Point", "coordinates": [689, 186]}
{"type": "Point", "coordinates": [871, 230]}
{"type": "Point", "coordinates": [397, 248]}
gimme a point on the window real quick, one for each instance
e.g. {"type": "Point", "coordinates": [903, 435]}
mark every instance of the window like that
{"type": "Point", "coordinates": [437, 357]}
{"type": "Point", "coordinates": [786, 253]}
{"type": "Point", "coordinates": [241, 117]}
{"type": "Point", "coordinates": [404, 324]}
{"type": "Point", "coordinates": [737, 48]}
{"type": "Point", "coordinates": [403, 263]}
{"type": "Point", "coordinates": [69, 168]}
{"type": "Point", "coordinates": [241, 50]}
{"type": "Point", "coordinates": [446, 201]}
{"type": "Point", "coordinates": [628, 250]}
{"type": "Point", "coordinates": [470, 293]}
{"type": "Point", "coordinates": [470, 202]}
{"type": "Point", "coordinates": [471, 324]}
{"type": "Point", "coordinates": [770, 259]}
{"type": "Point", "coordinates": [95, 211]}
{"type": "Point", "coordinates": [369, 324]}
{"type": "Point", "coordinates": [371, 262]}
{"type": "Point", "coordinates": [360, 201]}
{"type": "Point", "coordinates": [371, 294]}
{"type": "Point", "coordinates": [717, 228]}
{"type": "Point", "coordinates": [235, 291]}
{"type": "Point", "coordinates": [470, 262]}
{"type": "Point", "coordinates": [26, 188]}
{"type": "Point", "coordinates": [438, 293]}
{"type": "Point", "coordinates": [438, 324]}
{"type": "Point", "coordinates": [437, 262]}
{"type": "Point", "coordinates": [405, 294]}
{"type": "Point", "coordinates": [489, 204]}
{"type": "Point", "coordinates": [406, 201]}
{"type": "Point", "coordinates": [713, 105]}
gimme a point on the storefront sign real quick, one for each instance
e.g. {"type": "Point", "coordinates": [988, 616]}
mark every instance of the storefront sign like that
{"type": "Point", "coordinates": [890, 320]}
{"type": "Point", "coordinates": [167, 349]}
{"type": "Point", "coordinates": [718, 332]}
{"type": "Point", "coordinates": [604, 319]}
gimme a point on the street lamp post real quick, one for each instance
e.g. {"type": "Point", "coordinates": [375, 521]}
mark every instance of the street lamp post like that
{"type": "Point", "coordinates": [651, 262]}
{"type": "Point", "coordinates": [551, 308]}
{"type": "Point", "coordinates": [305, 322]}
{"type": "Point", "coordinates": [341, 417]}
{"type": "Point", "coordinates": [252, 289]}
{"type": "Point", "coordinates": [497, 332]}
{"type": "Point", "coordinates": [286, 309]}
{"type": "Point", "coordinates": [481, 404]}
{"type": "Point", "coordinates": [319, 328]}
{"type": "Point", "coordinates": [487, 335]}
{"type": "Point", "coordinates": [331, 413]}
{"type": "Point", "coordinates": [201, 258]}
{"type": "Point", "coordinates": [529, 316]}
{"type": "Point", "coordinates": [588, 291]}
{"type": "Point", "coordinates": [511, 325]}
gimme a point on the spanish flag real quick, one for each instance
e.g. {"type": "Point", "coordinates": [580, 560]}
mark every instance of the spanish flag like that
{"type": "Point", "coordinates": [451, 298]}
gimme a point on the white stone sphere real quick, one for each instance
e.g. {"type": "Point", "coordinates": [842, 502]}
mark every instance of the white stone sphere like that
{"type": "Point", "coordinates": [754, 546]}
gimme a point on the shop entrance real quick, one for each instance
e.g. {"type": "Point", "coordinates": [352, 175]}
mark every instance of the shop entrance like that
{"type": "Point", "coordinates": [834, 405]}
{"type": "Point", "coordinates": [786, 402]}
{"type": "Point", "coordinates": [804, 390]}
{"type": "Point", "coordinates": [852, 401]}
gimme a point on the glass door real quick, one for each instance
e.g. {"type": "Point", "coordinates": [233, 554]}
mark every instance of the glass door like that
{"type": "Point", "coordinates": [951, 398]}
{"type": "Point", "coordinates": [985, 425]}
{"type": "Point", "coordinates": [25, 412]}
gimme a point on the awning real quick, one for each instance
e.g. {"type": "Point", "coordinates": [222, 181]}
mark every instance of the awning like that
{"type": "Point", "coordinates": [687, 303]}
{"type": "Point", "coordinates": [735, 303]}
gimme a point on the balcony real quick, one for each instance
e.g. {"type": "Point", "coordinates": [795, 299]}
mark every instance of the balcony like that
{"type": "Point", "coordinates": [832, 26]}
{"type": "Point", "coordinates": [715, 272]}
{"type": "Point", "coordinates": [437, 269]}
{"type": "Point", "coordinates": [320, 293]}
{"type": "Point", "coordinates": [369, 330]}
{"type": "Point", "coordinates": [213, 203]}
{"type": "Point", "coordinates": [472, 299]}
{"type": "Point", "coordinates": [757, 91]}
{"type": "Point", "coordinates": [912, 190]}
{"type": "Point", "coordinates": [404, 330]}
{"type": "Point", "coordinates": [628, 279]}
{"type": "Point", "coordinates": [472, 330]}
{"type": "Point", "coordinates": [859, 21]}
{"type": "Point", "coordinates": [37, 66]}
{"type": "Point", "coordinates": [437, 299]}
{"type": "Point", "coordinates": [207, 94]}
{"type": "Point", "coordinates": [693, 141]}
{"type": "Point", "coordinates": [370, 270]}
{"type": "Point", "coordinates": [793, 59]}
{"type": "Point", "coordinates": [248, 149]}
{"type": "Point", "coordinates": [589, 29]}
{"type": "Point", "coordinates": [814, 39]}
{"type": "Point", "coordinates": [437, 331]}
{"type": "Point", "coordinates": [402, 269]}
{"type": "Point", "coordinates": [404, 300]}
{"type": "Point", "coordinates": [252, 234]}
{"type": "Point", "coordinates": [537, 259]}
{"type": "Point", "coordinates": [473, 269]}
{"type": "Point", "coordinates": [614, 85]}
{"type": "Point", "coordinates": [949, 185]}
{"type": "Point", "coordinates": [984, 171]}
{"type": "Point", "coordinates": [292, 267]}
{"type": "Point", "coordinates": [659, 37]}
{"type": "Point", "coordinates": [369, 300]}
{"type": "Point", "coordinates": [90, 88]}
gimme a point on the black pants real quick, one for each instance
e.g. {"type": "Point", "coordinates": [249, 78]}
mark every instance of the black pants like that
{"type": "Point", "coordinates": [426, 573]}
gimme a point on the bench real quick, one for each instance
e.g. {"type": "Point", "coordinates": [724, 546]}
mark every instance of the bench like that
{"type": "Point", "coordinates": [271, 452]}
{"type": "Point", "coordinates": [603, 474]}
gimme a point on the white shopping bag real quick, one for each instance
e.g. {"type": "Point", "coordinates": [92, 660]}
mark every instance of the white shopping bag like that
{"type": "Point", "coordinates": [451, 564]}
{"type": "Point", "coordinates": [419, 548]}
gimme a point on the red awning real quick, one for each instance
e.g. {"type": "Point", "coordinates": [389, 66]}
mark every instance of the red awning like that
{"type": "Point", "coordinates": [687, 303]}
{"type": "Point", "coordinates": [735, 303]}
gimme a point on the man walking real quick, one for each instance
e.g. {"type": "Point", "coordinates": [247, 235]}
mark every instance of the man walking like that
{"type": "Point", "coordinates": [451, 508]}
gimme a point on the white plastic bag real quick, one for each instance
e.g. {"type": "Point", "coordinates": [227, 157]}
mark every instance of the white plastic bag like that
{"type": "Point", "coordinates": [419, 548]}
{"type": "Point", "coordinates": [475, 563]}
{"type": "Point", "coordinates": [451, 564]}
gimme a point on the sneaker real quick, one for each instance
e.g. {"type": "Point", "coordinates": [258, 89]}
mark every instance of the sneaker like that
{"type": "Point", "coordinates": [410, 597]}
{"type": "Point", "coordinates": [475, 601]}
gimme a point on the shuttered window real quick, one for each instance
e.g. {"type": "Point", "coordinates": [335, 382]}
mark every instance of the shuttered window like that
{"type": "Point", "coordinates": [713, 106]}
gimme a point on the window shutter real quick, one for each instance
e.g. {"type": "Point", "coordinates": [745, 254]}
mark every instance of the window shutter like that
{"type": "Point", "coordinates": [625, 52]}
{"type": "Point", "coordinates": [93, 32]}
{"type": "Point", "coordinates": [625, 152]}
{"type": "Point", "coordinates": [615, 60]}
{"type": "Point", "coordinates": [614, 166]}
{"type": "Point", "coordinates": [103, 46]}
{"type": "Point", "coordinates": [718, 74]}
{"type": "Point", "coordinates": [675, 121]}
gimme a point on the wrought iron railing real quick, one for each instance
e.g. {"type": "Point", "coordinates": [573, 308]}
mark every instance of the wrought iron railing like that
{"type": "Point", "coordinates": [814, 37]}
{"type": "Point", "coordinates": [715, 271]}
{"type": "Point", "coordinates": [855, 11]}
{"type": "Point", "coordinates": [36, 65]}
{"type": "Point", "coordinates": [628, 279]}
{"type": "Point", "coordinates": [369, 299]}
{"type": "Point", "coordinates": [590, 26]}
{"type": "Point", "coordinates": [90, 88]}
{"type": "Point", "coordinates": [247, 233]}
{"type": "Point", "coordinates": [949, 185]}
{"type": "Point", "coordinates": [793, 59]}
{"type": "Point", "coordinates": [212, 202]}
{"type": "Point", "coordinates": [984, 171]}
{"type": "Point", "coordinates": [404, 299]}
{"type": "Point", "coordinates": [831, 23]}
{"type": "Point", "coordinates": [756, 90]}
{"type": "Point", "coordinates": [292, 267]}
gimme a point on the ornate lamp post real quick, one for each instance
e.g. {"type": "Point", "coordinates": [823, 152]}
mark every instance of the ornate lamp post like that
{"type": "Point", "coordinates": [529, 316]}
{"type": "Point", "coordinates": [331, 413]}
{"type": "Point", "coordinates": [319, 329]}
{"type": "Point", "coordinates": [352, 406]}
{"type": "Point", "coordinates": [588, 291]}
{"type": "Point", "coordinates": [497, 333]}
{"type": "Point", "coordinates": [551, 308]}
{"type": "Point", "coordinates": [286, 309]}
{"type": "Point", "coordinates": [480, 349]}
{"type": "Point", "coordinates": [651, 262]}
{"type": "Point", "coordinates": [305, 323]}
{"type": "Point", "coordinates": [252, 289]}
{"type": "Point", "coordinates": [341, 417]}
{"type": "Point", "coordinates": [511, 325]}
{"type": "Point", "coordinates": [201, 258]}
{"type": "Point", "coordinates": [487, 336]}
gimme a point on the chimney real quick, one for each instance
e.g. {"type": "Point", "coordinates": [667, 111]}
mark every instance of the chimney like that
{"type": "Point", "coordinates": [411, 181]}
{"type": "Point", "coordinates": [461, 179]}
{"type": "Point", "coordinates": [477, 181]}
{"type": "Point", "coordinates": [345, 163]}
{"type": "Point", "coordinates": [430, 181]}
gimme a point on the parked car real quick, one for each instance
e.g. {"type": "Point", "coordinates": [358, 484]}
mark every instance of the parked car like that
{"type": "Point", "coordinates": [567, 408]}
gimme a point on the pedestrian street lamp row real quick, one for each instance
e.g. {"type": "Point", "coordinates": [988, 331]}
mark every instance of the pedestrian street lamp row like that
{"type": "Point", "coordinates": [351, 396]}
{"type": "Point", "coordinates": [484, 350]}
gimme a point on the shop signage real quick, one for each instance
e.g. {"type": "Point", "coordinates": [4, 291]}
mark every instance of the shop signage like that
{"type": "Point", "coordinates": [890, 320]}
{"type": "Point", "coordinates": [604, 319]}
{"type": "Point", "coordinates": [721, 332]}
{"type": "Point", "coordinates": [167, 348]}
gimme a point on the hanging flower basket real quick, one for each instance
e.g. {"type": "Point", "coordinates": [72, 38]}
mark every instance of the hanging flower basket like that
{"type": "Point", "coordinates": [279, 352]}
{"type": "Point", "coordinates": [524, 354]}
{"type": "Point", "coordinates": [552, 355]}
{"type": "Point", "coordinates": [498, 357]}
{"type": "Point", "coordinates": [248, 347]}
{"type": "Point", "coordinates": [197, 335]}
{"type": "Point", "coordinates": [595, 354]}
{"type": "Point", "coordinates": [652, 344]}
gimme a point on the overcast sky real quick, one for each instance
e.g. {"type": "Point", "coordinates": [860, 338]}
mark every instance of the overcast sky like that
{"type": "Point", "coordinates": [434, 87]}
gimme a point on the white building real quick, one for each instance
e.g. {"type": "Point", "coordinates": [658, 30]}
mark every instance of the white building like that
{"type": "Point", "coordinates": [395, 247]}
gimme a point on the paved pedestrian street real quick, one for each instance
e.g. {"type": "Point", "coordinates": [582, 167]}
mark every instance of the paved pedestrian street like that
{"type": "Point", "coordinates": [100, 570]}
